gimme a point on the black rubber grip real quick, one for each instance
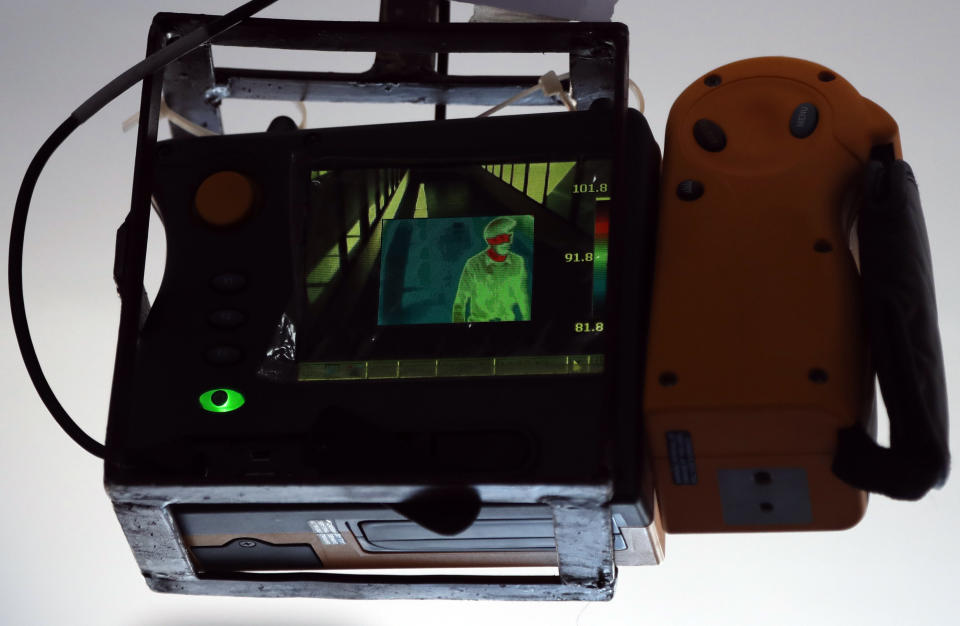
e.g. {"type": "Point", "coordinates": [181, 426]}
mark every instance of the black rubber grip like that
{"type": "Point", "coordinates": [900, 314]}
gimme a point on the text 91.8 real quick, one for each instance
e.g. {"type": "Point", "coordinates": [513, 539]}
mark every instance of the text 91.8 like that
{"type": "Point", "coordinates": [578, 257]}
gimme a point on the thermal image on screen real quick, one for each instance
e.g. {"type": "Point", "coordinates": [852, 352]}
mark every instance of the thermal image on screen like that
{"type": "Point", "coordinates": [457, 270]}
{"type": "Point", "coordinates": [438, 270]}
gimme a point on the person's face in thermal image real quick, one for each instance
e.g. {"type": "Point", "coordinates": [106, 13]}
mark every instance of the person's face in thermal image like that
{"type": "Point", "coordinates": [503, 248]}
{"type": "Point", "coordinates": [499, 237]}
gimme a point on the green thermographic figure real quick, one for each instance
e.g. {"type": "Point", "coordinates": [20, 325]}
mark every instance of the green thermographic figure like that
{"type": "Point", "coordinates": [494, 281]}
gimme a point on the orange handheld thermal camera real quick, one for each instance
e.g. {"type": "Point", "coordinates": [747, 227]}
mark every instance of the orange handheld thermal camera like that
{"type": "Point", "coordinates": [767, 327]}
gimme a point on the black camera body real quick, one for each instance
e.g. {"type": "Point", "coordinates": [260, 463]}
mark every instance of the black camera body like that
{"type": "Point", "coordinates": [294, 404]}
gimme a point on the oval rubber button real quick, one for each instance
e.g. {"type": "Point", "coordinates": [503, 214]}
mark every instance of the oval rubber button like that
{"type": "Point", "coordinates": [804, 120]}
{"type": "Point", "coordinates": [226, 318]}
{"type": "Point", "coordinates": [228, 282]}
{"type": "Point", "coordinates": [225, 198]}
{"type": "Point", "coordinates": [709, 135]}
{"type": "Point", "coordinates": [223, 355]}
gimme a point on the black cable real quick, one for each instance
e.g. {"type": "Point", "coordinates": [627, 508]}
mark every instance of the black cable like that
{"type": "Point", "coordinates": [15, 282]}
{"type": "Point", "coordinates": [89, 108]}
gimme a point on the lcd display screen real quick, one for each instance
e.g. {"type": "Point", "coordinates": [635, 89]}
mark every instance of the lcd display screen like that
{"type": "Point", "coordinates": [478, 269]}
{"type": "Point", "coordinates": [456, 270]}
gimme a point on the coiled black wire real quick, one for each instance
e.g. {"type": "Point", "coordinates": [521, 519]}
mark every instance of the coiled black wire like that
{"type": "Point", "coordinates": [95, 103]}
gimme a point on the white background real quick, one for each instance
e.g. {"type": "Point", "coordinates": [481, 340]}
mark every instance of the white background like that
{"type": "Point", "coordinates": [63, 558]}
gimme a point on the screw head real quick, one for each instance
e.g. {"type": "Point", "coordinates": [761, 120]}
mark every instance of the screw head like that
{"type": "Point", "coordinates": [668, 379]}
{"type": "Point", "coordinates": [247, 543]}
{"type": "Point", "coordinates": [689, 190]}
{"type": "Point", "coordinates": [713, 80]}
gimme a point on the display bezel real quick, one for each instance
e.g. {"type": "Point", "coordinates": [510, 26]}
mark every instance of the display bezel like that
{"type": "Point", "coordinates": [511, 348]}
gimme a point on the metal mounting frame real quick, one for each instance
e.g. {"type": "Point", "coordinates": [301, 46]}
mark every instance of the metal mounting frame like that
{"type": "Point", "coordinates": [581, 522]}
{"type": "Point", "coordinates": [194, 87]}
{"type": "Point", "coordinates": [404, 72]}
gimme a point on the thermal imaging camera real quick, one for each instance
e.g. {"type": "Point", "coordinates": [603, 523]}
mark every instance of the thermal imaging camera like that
{"type": "Point", "coordinates": [508, 341]}
{"type": "Point", "coordinates": [394, 346]}
{"type": "Point", "coordinates": [396, 304]}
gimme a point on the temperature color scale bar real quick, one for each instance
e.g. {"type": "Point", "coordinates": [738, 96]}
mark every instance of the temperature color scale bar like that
{"type": "Point", "coordinates": [601, 246]}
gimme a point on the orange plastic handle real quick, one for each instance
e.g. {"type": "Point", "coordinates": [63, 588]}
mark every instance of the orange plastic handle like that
{"type": "Point", "coordinates": [756, 346]}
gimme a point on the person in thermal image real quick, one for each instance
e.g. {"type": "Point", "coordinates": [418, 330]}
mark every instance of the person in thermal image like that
{"type": "Point", "coordinates": [494, 283]}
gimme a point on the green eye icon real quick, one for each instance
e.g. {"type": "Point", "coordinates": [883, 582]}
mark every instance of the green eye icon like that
{"type": "Point", "coordinates": [221, 400]}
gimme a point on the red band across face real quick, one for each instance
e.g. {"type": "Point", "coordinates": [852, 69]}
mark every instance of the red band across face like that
{"type": "Point", "coordinates": [499, 258]}
{"type": "Point", "coordinates": [504, 238]}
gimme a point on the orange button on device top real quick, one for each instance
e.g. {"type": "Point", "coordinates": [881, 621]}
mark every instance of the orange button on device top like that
{"type": "Point", "coordinates": [225, 198]}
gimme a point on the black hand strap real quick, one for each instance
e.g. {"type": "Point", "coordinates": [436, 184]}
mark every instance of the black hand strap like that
{"type": "Point", "coordinates": [900, 314]}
